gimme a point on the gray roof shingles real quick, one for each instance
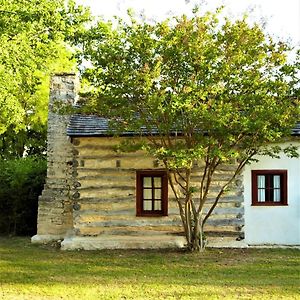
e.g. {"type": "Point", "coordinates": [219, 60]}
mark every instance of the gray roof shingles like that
{"type": "Point", "coordinates": [91, 125]}
{"type": "Point", "coordinates": [87, 125]}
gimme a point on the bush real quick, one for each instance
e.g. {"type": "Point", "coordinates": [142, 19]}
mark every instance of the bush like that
{"type": "Point", "coordinates": [21, 182]}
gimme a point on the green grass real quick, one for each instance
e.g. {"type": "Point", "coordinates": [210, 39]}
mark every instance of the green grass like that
{"type": "Point", "coordinates": [40, 272]}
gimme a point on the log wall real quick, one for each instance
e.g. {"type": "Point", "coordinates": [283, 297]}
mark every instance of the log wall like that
{"type": "Point", "coordinates": [106, 197]}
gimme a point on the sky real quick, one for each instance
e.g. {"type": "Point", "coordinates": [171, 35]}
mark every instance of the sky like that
{"type": "Point", "coordinates": [282, 17]}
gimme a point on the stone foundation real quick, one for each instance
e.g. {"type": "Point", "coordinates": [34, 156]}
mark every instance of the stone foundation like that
{"type": "Point", "coordinates": [123, 242]}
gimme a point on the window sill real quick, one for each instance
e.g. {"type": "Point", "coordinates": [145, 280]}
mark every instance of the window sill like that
{"type": "Point", "coordinates": [151, 215]}
{"type": "Point", "coordinates": [269, 204]}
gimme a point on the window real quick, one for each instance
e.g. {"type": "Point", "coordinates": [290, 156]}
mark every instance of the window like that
{"type": "Point", "coordinates": [269, 187]}
{"type": "Point", "coordinates": [151, 193]}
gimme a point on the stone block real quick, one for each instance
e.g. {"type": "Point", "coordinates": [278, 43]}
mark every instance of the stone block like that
{"type": "Point", "coordinates": [123, 242]}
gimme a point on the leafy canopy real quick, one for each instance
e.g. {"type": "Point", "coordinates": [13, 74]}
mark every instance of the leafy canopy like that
{"type": "Point", "coordinates": [35, 39]}
{"type": "Point", "coordinates": [226, 88]}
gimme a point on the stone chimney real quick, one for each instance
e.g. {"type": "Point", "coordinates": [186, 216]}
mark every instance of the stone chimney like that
{"type": "Point", "coordinates": [55, 206]}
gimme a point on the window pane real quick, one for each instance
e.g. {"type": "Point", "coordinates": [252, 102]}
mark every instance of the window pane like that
{"type": "Point", "coordinates": [261, 181]}
{"type": "Point", "coordinates": [157, 194]}
{"type": "Point", "coordinates": [276, 185]}
{"type": "Point", "coordinates": [147, 205]}
{"type": "Point", "coordinates": [261, 195]}
{"type": "Point", "coordinates": [147, 182]}
{"type": "Point", "coordinates": [157, 182]}
{"type": "Point", "coordinates": [277, 195]}
{"type": "Point", "coordinates": [276, 181]}
{"type": "Point", "coordinates": [147, 194]}
{"type": "Point", "coordinates": [157, 205]}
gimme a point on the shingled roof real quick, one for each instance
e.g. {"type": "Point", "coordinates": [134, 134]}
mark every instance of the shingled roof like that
{"type": "Point", "coordinates": [87, 125]}
{"type": "Point", "coordinates": [91, 125]}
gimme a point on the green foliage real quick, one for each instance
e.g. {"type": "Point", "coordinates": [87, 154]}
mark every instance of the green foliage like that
{"type": "Point", "coordinates": [31, 141]}
{"type": "Point", "coordinates": [226, 88]}
{"type": "Point", "coordinates": [21, 182]}
{"type": "Point", "coordinates": [35, 39]}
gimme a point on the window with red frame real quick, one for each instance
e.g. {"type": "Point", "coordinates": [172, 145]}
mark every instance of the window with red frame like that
{"type": "Point", "coordinates": [152, 193]}
{"type": "Point", "coordinates": [269, 187]}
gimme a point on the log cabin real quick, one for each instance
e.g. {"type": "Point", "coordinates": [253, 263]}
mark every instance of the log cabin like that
{"type": "Point", "coordinates": [97, 198]}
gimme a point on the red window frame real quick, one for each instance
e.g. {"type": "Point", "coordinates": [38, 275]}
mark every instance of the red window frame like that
{"type": "Point", "coordinates": [269, 189]}
{"type": "Point", "coordinates": [140, 175]}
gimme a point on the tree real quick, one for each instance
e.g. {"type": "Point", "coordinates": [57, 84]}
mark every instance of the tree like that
{"type": "Point", "coordinates": [21, 182]}
{"type": "Point", "coordinates": [35, 39]}
{"type": "Point", "coordinates": [205, 91]}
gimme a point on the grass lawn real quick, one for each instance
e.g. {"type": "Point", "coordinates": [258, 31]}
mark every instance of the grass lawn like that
{"type": "Point", "coordinates": [40, 272]}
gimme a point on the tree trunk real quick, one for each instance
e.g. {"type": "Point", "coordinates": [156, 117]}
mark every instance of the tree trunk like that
{"type": "Point", "coordinates": [194, 229]}
{"type": "Point", "coordinates": [192, 218]}
{"type": "Point", "coordinates": [197, 236]}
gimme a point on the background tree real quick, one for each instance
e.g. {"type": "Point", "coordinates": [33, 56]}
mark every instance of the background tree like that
{"type": "Point", "coordinates": [35, 38]}
{"type": "Point", "coordinates": [21, 182]}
